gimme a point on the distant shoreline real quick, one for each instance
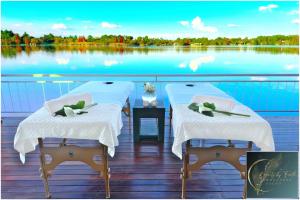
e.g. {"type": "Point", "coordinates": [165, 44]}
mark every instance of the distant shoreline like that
{"type": "Point", "coordinates": [8, 37]}
{"type": "Point", "coordinates": [14, 50]}
{"type": "Point", "coordinates": [112, 45]}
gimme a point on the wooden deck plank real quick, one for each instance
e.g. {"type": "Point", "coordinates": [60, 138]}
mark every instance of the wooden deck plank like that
{"type": "Point", "coordinates": [145, 170]}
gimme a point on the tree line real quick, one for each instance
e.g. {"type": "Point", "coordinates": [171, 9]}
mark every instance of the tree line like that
{"type": "Point", "coordinates": [8, 37]}
{"type": "Point", "coordinates": [10, 51]}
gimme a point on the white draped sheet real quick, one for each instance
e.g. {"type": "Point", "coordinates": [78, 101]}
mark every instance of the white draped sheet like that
{"type": "Point", "coordinates": [115, 93]}
{"type": "Point", "coordinates": [188, 124]}
{"type": "Point", "coordinates": [103, 122]}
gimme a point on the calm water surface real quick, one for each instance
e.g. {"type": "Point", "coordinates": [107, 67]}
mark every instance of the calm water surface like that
{"type": "Point", "coordinates": [168, 60]}
{"type": "Point", "coordinates": [276, 96]}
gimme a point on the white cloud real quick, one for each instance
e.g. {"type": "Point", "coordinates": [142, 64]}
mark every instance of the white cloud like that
{"type": "Point", "coordinates": [232, 25]}
{"type": "Point", "coordinates": [68, 18]}
{"type": "Point", "coordinates": [293, 12]}
{"type": "Point", "coordinates": [268, 7]}
{"type": "Point", "coordinates": [197, 24]}
{"type": "Point", "coordinates": [88, 27]}
{"type": "Point", "coordinates": [296, 21]}
{"type": "Point", "coordinates": [62, 61]}
{"type": "Point", "coordinates": [184, 23]}
{"type": "Point", "coordinates": [59, 26]}
{"type": "Point", "coordinates": [197, 62]}
{"type": "Point", "coordinates": [109, 25]}
{"type": "Point", "coordinates": [17, 25]}
{"type": "Point", "coordinates": [168, 35]}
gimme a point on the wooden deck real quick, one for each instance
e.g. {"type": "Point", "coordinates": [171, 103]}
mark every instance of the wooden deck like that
{"type": "Point", "coordinates": [145, 170]}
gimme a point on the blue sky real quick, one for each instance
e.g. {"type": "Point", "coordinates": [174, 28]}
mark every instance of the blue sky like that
{"type": "Point", "coordinates": [155, 19]}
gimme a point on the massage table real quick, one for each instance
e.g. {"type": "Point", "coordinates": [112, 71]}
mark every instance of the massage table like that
{"type": "Point", "coordinates": [103, 122]}
{"type": "Point", "coordinates": [188, 125]}
{"type": "Point", "coordinates": [116, 92]}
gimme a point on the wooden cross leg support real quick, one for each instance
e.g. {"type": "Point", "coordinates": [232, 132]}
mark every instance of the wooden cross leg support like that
{"type": "Point", "coordinates": [205, 155]}
{"type": "Point", "coordinates": [73, 153]}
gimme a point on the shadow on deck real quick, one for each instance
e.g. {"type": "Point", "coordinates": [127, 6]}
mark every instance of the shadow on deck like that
{"type": "Point", "coordinates": [144, 170]}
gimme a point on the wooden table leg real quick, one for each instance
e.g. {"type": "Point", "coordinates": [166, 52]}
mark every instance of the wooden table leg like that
{"type": "Point", "coordinates": [170, 118]}
{"type": "Point", "coordinates": [245, 190]}
{"type": "Point", "coordinates": [229, 154]}
{"type": "Point", "coordinates": [73, 153]}
{"type": "Point", "coordinates": [129, 114]}
{"type": "Point", "coordinates": [136, 126]}
{"type": "Point", "coordinates": [161, 126]}
{"type": "Point", "coordinates": [183, 187]}
{"type": "Point", "coordinates": [63, 142]}
{"type": "Point", "coordinates": [106, 172]}
{"type": "Point", "coordinates": [250, 144]}
{"type": "Point", "coordinates": [44, 173]}
{"type": "Point", "coordinates": [230, 144]}
{"type": "Point", "coordinates": [184, 170]}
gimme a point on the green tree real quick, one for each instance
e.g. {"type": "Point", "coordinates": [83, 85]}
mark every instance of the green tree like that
{"type": "Point", "coordinates": [90, 38]}
{"type": "Point", "coordinates": [25, 39]}
{"type": "Point", "coordinates": [48, 39]}
{"type": "Point", "coordinates": [7, 37]}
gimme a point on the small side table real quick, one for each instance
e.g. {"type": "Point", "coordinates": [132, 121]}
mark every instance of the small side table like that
{"type": "Point", "coordinates": [139, 111]}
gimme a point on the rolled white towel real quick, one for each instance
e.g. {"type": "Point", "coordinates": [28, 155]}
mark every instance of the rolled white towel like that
{"type": "Point", "coordinates": [56, 104]}
{"type": "Point", "coordinates": [221, 103]}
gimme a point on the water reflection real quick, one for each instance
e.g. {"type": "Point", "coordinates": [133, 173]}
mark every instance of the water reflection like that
{"type": "Point", "coordinates": [13, 51]}
{"type": "Point", "coordinates": [195, 63]}
{"type": "Point", "coordinates": [62, 61]}
{"type": "Point", "coordinates": [109, 63]}
{"type": "Point", "coordinates": [291, 66]}
{"type": "Point", "coordinates": [130, 60]}
{"type": "Point", "coordinates": [227, 62]}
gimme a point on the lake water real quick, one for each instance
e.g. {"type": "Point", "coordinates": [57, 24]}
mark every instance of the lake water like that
{"type": "Point", "coordinates": [168, 60]}
{"type": "Point", "coordinates": [263, 94]}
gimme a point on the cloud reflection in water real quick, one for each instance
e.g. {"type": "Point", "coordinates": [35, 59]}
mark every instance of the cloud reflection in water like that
{"type": "Point", "coordinates": [194, 64]}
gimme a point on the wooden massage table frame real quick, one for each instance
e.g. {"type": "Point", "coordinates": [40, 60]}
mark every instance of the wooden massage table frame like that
{"type": "Point", "coordinates": [229, 154]}
{"type": "Point", "coordinates": [86, 155]}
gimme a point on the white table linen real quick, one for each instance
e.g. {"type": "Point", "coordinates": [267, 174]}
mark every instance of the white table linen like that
{"type": "Point", "coordinates": [182, 94]}
{"type": "Point", "coordinates": [54, 105]}
{"type": "Point", "coordinates": [188, 124]}
{"type": "Point", "coordinates": [115, 93]}
{"type": "Point", "coordinates": [103, 122]}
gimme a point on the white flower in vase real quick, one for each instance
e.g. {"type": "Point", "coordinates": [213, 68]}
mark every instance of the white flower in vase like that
{"type": "Point", "coordinates": [149, 97]}
{"type": "Point", "coordinates": [149, 88]}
